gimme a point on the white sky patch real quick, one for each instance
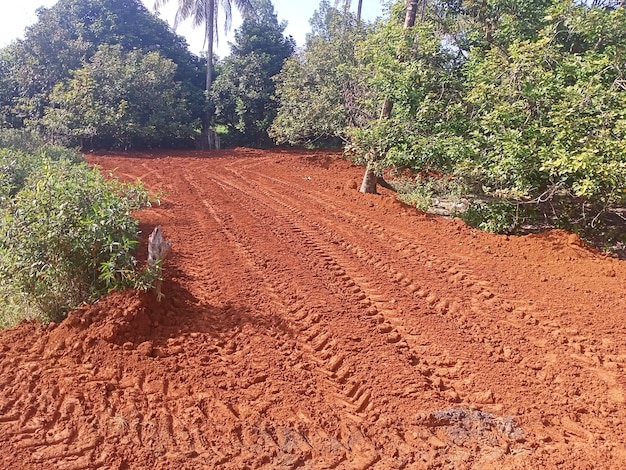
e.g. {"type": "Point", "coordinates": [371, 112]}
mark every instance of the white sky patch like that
{"type": "Point", "coordinates": [16, 16]}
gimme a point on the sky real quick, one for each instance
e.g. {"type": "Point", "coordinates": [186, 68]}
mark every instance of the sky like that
{"type": "Point", "coordinates": [15, 16]}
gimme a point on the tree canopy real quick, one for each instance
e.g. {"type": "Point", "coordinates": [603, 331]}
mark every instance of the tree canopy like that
{"type": "Point", "coordinates": [68, 35]}
{"type": "Point", "coordinates": [244, 92]}
{"type": "Point", "coordinates": [317, 87]}
{"type": "Point", "coordinates": [120, 99]}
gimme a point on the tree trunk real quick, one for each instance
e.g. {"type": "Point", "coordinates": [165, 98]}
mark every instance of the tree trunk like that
{"type": "Point", "coordinates": [206, 140]}
{"type": "Point", "coordinates": [411, 12]}
{"type": "Point", "coordinates": [358, 11]}
{"type": "Point", "coordinates": [371, 179]}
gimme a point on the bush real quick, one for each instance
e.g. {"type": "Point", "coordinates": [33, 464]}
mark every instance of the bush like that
{"type": "Point", "coordinates": [21, 152]}
{"type": "Point", "coordinates": [34, 145]}
{"type": "Point", "coordinates": [66, 238]}
{"type": "Point", "coordinates": [495, 217]}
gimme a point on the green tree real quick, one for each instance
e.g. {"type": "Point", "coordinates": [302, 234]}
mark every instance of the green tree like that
{"type": "Point", "coordinates": [8, 88]}
{"type": "Point", "coordinates": [205, 13]}
{"type": "Point", "coordinates": [68, 34]}
{"type": "Point", "coordinates": [548, 115]}
{"type": "Point", "coordinates": [243, 92]}
{"type": "Point", "coordinates": [348, 3]}
{"type": "Point", "coordinates": [395, 70]}
{"type": "Point", "coordinates": [317, 87]}
{"type": "Point", "coordinates": [499, 23]}
{"type": "Point", "coordinates": [120, 99]}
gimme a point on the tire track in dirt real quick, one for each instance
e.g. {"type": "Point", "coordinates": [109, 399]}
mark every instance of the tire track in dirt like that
{"type": "Point", "coordinates": [446, 372]}
{"type": "Point", "coordinates": [387, 265]}
{"type": "Point", "coordinates": [320, 250]}
{"type": "Point", "coordinates": [483, 295]}
{"type": "Point", "coordinates": [317, 340]}
{"type": "Point", "coordinates": [304, 327]}
{"type": "Point", "coordinates": [306, 316]}
{"type": "Point", "coordinates": [222, 220]}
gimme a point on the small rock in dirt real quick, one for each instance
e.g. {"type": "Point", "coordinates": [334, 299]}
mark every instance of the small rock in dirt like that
{"type": "Point", "coordinates": [452, 396]}
{"type": "Point", "coordinates": [393, 337]}
{"type": "Point", "coordinates": [176, 350]}
{"type": "Point", "coordinates": [437, 443]}
{"type": "Point", "coordinates": [127, 346]}
{"type": "Point", "coordinates": [609, 272]}
{"type": "Point", "coordinates": [483, 398]}
{"type": "Point", "coordinates": [146, 349]}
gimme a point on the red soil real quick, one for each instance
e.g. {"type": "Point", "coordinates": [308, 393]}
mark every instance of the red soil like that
{"type": "Point", "coordinates": [306, 325]}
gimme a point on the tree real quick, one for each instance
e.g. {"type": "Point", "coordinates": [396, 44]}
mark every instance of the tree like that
{"type": "Point", "coordinates": [549, 114]}
{"type": "Point", "coordinates": [523, 101]}
{"type": "Point", "coordinates": [8, 88]}
{"type": "Point", "coordinates": [316, 89]}
{"type": "Point", "coordinates": [501, 22]}
{"type": "Point", "coordinates": [68, 34]}
{"type": "Point", "coordinates": [346, 6]}
{"type": "Point", "coordinates": [243, 92]}
{"type": "Point", "coordinates": [205, 13]}
{"type": "Point", "coordinates": [120, 99]}
{"type": "Point", "coordinates": [372, 173]}
{"type": "Point", "coordinates": [418, 80]}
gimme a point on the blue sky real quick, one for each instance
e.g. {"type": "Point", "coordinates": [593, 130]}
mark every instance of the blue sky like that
{"type": "Point", "coordinates": [15, 16]}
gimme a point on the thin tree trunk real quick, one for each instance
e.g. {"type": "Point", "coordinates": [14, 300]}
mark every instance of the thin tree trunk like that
{"type": "Point", "coordinates": [371, 179]}
{"type": "Point", "coordinates": [210, 33]}
{"type": "Point", "coordinates": [411, 13]}
{"type": "Point", "coordinates": [207, 140]}
{"type": "Point", "coordinates": [358, 11]}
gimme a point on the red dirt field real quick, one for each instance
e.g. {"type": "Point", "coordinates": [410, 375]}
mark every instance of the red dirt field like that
{"type": "Point", "coordinates": [305, 325]}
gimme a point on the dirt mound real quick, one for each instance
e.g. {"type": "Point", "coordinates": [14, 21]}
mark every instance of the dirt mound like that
{"type": "Point", "coordinates": [305, 325]}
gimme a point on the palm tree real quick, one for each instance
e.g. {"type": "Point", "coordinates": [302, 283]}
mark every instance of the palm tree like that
{"type": "Point", "coordinates": [204, 13]}
{"type": "Point", "coordinates": [346, 6]}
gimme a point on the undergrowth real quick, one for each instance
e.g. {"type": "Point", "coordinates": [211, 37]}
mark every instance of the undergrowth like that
{"type": "Point", "coordinates": [66, 233]}
{"type": "Point", "coordinates": [601, 226]}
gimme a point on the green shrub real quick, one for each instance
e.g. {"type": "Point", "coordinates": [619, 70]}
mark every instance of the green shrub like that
{"type": "Point", "coordinates": [15, 166]}
{"type": "Point", "coordinates": [33, 144]}
{"type": "Point", "coordinates": [496, 217]}
{"type": "Point", "coordinates": [66, 238]}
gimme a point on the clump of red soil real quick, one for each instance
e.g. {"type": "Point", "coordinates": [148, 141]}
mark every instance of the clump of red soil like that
{"type": "Point", "coordinates": [305, 325]}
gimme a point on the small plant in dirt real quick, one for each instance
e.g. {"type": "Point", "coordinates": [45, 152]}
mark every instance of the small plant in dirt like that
{"type": "Point", "coordinates": [66, 237]}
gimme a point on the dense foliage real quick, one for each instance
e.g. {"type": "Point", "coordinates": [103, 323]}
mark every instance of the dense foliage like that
{"type": "Point", "coordinates": [66, 232]}
{"type": "Point", "coordinates": [120, 99]}
{"type": "Point", "coordinates": [243, 94]}
{"type": "Point", "coordinates": [317, 88]}
{"type": "Point", "coordinates": [67, 37]}
{"type": "Point", "coordinates": [523, 101]}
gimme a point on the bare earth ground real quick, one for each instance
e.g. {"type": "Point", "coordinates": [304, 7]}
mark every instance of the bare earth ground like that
{"type": "Point", "coordinates": [308, 326]}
